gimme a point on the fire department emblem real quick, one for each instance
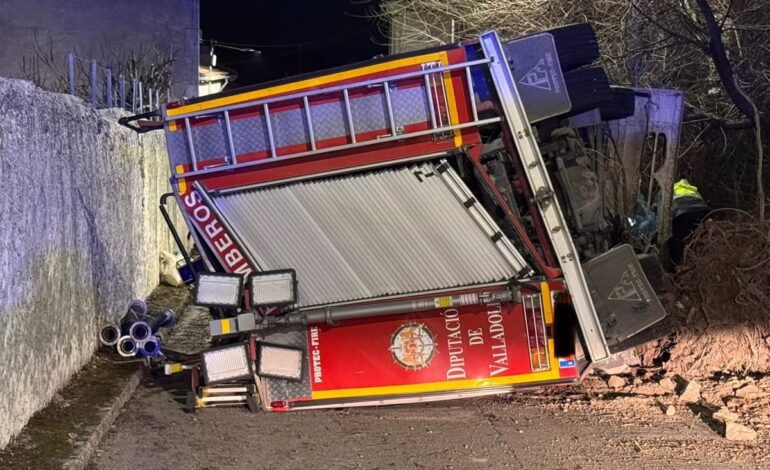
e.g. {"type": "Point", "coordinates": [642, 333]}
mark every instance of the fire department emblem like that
{"type": "Point", "coordinates": [412, 346]}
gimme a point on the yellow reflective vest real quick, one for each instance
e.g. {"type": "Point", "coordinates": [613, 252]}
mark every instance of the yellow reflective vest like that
{"type": "Point", "coordinates": [684, 188]}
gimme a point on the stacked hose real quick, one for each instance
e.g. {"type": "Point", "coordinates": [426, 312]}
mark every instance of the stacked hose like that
{"type": "Point", "coordinates": [136, 333]}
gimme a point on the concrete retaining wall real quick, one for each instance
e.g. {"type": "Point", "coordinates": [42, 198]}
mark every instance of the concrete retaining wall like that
{"type": "Point", "coordinates": [79, 237]}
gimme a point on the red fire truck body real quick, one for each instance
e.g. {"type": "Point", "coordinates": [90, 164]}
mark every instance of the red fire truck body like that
{"type": "Point", "coordinates": [423, 270]}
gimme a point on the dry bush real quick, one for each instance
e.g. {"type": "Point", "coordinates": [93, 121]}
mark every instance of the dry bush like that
{"type": "Point", "coordinates": [726, 278]}
{"type": "Point", "coordinates": [48, 70]}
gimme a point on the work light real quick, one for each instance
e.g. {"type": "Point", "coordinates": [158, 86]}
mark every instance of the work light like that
{"type": "Point", "coordinates": [273, 287]}
{"type": "Point", "coordinates": [279, 362]}
{"type": "Point", "coordinates": [218, 290]}
{"type": "Point", "coordinates": [226, 363]}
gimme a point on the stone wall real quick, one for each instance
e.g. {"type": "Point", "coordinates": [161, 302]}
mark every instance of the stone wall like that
{"type": "Point", "coordinates": [80, 233]}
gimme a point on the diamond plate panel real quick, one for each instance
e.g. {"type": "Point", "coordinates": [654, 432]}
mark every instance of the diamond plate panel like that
{"type": "Point", "coordinates": [328, 120]}
{"type": "Point", "coordinates": [279, 389]}
{"type": "Point", "coordinates": [249, 135]}
{"type": "Point", "coordinates": [369, 113]}
{"type": "Point", "coordinates": [289, 127]}
{"type": "Point", "coordinates": [176, 146]}
{"type": "Point", "coordinates": [410, 106]}
{"type": "Point", "coordinates": [210, 141]}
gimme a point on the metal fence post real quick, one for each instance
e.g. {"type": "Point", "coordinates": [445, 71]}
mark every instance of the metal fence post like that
{"type": "Point", "coordinates": [141, 99]}
{"type": "Point", "coordinates": [149, 99]}
{"type": "Point", "coordinates": [108, 78]}
{"type": "Point", "coordinates": [122, 90]}
{"type": "Point", "coordinates": [157, 98]}
{"type": "Point", "coordinates": [134, 88]}
{"type": "Point", "coordinates": [71, 71]}
{"type": "Point", "coordinates": [93, 83]}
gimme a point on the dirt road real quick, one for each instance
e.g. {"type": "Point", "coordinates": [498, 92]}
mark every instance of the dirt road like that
{"type": "Point", "coordinates": [565, 429]}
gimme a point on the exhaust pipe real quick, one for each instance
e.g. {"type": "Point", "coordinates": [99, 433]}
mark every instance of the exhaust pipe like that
{"type": "Point", "coordinates": [127, 346]}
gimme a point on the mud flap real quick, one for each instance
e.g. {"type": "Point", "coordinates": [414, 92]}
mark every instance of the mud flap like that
{"type": "Point", "coordinates": [625, 302]}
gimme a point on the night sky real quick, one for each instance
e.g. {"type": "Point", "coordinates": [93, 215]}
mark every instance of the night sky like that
{"type": "Point", "coordinates": [294, 36]}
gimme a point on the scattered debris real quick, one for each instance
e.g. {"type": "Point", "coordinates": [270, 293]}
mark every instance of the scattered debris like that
{"type": "Point", "coordinates": [670, 410]}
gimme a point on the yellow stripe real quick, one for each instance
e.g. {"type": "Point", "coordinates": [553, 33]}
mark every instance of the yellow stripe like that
{"type": "Point", "coordinates": [545, 292]}
{"type": "Point", "coordinates": [454, 117]}
{"type": "Point", "coordinates": [225, 326]}
{"type": "Point", "coordinates": [310, 82]}
{"type": "Point", "coordinates": [181, 181]}
{"type": "Point", "coordinates": [544, 376]}
{"type": "Point", "coordinates": [174, 368]}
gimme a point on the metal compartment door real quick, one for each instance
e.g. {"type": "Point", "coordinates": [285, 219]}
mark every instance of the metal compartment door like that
{"type": "Point", "coordinates": [624, 300]}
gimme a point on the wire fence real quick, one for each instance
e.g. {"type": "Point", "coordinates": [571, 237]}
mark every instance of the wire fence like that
{"type": "Point", "coordinates": [106, 87]}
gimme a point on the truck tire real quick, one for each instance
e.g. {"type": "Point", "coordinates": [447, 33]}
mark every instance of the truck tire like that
{"type": "Point", "coordinates": [588, 88]}
{"type": "Point", "coordinates": [576, 45]}
{"type": "Point", "coordinates": [622, 104]}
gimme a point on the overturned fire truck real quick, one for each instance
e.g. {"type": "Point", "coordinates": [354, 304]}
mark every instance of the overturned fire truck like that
{"type": "Point", "coordinates": [419, 227]}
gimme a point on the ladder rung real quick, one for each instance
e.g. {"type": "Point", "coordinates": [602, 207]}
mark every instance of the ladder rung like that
{"type": "Point", "coordinates": [230, 144]}
{"type": "Point", "coordinates": [389, 106]}
{"type": "Point", "coordinates": [188, 131]}
{"type": "Point", "coordinates": [429, 96]}
{"type": "Point", "coordinates": [309, 119]}
{"type": "Point", "coordinates": [471, 94]}
{"type": "Point", "coordinates": [349, 115]}
{"type": "Point", "coordinates": [268, 124]}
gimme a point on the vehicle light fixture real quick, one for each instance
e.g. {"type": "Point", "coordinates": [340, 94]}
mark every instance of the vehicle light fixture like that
{"type": "Point", "coordinates": [279, 362]}
{"type": "Point", "coordinates": [226, 363]}
{"type": "Point", "coordinates": [218, 290]}
{"type": "Point", "coordinates": [273, 288]}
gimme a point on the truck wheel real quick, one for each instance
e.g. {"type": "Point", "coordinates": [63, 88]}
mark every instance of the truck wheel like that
{"type": "Point", "coordinates": [588, 88]}
{"type": "Point", "coordinates": [576, 45]}
{"type": "Point", "coordinates": [564, 329]}
{"type": "Point", "coordinates": [622, 104]}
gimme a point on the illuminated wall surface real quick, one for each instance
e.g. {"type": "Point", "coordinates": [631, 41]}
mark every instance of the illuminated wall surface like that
{"type": "Point", "coordinates": [79, 237]}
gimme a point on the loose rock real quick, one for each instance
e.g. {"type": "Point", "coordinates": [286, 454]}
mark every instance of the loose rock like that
{"type": "Point", "coordinates": [691, 393]}
{"type": "Point", "coordinates": [670, 410]}
{"type": "Point", "coordinates": [739, 432]}
{"type": "Point", "coordinates": [615, 382]}
{"type": "Point", "coordinates": [724, 415]}
{"type": "Point", "coordinates": [748, 391]}
{"type": "Point", "coordinates": [667, 384]}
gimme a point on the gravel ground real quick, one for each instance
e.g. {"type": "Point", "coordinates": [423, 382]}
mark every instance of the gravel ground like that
{"type": "Point", "coordinates": [567, 428]}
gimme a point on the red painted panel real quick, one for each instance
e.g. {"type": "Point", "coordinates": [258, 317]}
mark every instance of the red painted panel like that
{"type": "Point", "coordinates": [473, 342]}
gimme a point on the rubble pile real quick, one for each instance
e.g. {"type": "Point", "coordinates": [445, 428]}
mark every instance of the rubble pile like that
{"type": "Point", "coordinates": [738, 407]}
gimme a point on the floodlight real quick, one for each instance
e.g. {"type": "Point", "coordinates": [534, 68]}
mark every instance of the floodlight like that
{"type": "Point", "coordinates": [226, 363]}
{"type": "Point", "coordinates": [273, 287]}
{"type": "Point", "coordinates": [218, 290]}
{"type": "Point", "coordinates": [279, 362]}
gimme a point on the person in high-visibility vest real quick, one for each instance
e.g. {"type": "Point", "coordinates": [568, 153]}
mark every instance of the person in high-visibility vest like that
{"type": "Point", "coordinates": [688, 210]}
